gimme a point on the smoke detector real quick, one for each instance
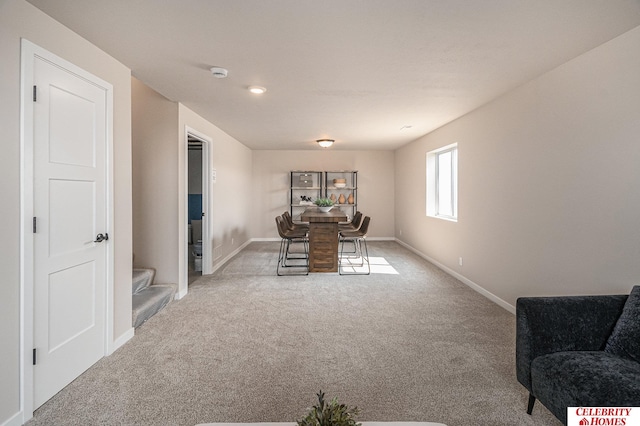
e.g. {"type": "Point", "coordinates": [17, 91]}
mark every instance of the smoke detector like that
{"type": "Point", "coordinates": [219, 72]}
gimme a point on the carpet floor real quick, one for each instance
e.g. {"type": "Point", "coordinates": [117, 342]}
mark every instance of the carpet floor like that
{"type": "Point", "coordinates": [406, 343]}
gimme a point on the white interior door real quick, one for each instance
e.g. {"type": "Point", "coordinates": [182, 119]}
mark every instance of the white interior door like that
{"type": "Point", "coordinates": [70, 209]}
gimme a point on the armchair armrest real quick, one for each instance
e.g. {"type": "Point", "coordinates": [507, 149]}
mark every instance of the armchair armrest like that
{"type": "Point", "coordinates": [568, 323]}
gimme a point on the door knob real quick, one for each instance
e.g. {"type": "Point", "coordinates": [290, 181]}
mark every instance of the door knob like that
{"type": "Point", "coordinates": [100, 238]}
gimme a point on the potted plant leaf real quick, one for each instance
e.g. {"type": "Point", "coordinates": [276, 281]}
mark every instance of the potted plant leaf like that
{"type": "Point", "coordinates": [330, 414]}
{"type": "Point", "coordinates": [324, 204]}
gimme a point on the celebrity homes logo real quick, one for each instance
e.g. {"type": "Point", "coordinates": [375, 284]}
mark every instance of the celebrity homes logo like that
{"type": "Point", "coordinates": [603, 416]}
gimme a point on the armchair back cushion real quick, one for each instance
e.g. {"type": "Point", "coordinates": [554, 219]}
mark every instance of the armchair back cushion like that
{"type": "Point", "coordinates": [624, 340]}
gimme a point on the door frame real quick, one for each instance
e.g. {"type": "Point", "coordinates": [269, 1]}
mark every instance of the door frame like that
{"type": "Point", "coordinates": [29, 52]}
{"type": "Point", "coordinates": [207, 149]}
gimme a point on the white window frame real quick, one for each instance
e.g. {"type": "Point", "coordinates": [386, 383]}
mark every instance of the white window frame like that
{"type": "Point", "coordinates": [433, 184]}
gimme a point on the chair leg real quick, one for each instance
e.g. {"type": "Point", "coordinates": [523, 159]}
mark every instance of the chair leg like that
{"type": "Point", "coordinates": [279, 257]}
{"type": "Point", "coordinates": [340, 256]}
{"type": "Point", "coordinates": [296, 256]}
{"type": "Point", "coordinates": [364, 256]}
{"type": "Point", "coordinates": [283, 256]}
{"type": "Point", "coordinates": [354, 248]}
{"type": "Point", "coordinates": [532, 400]}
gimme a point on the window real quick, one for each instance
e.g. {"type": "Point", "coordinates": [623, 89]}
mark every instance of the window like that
{"type": "Point", "coordinates": [442, 183]}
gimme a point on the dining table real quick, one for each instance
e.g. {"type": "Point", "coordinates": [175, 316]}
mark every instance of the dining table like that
{"type": "Point", "coordinates": [323, 238]}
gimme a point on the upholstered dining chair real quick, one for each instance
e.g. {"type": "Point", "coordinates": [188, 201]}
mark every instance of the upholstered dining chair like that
{"type": "Point", "coordinates": [288, 236]}
{"type": "Point", "coordinates": [353, 225]}
{"type": "Point", "coordinates": [359, 239]}
{"type": "Point", "coordinates": [292, 225]}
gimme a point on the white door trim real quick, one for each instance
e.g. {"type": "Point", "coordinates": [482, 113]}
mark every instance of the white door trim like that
{"type": "Point", "coordinates": [207, 149]}
{"type": "Point", "coordinates": [29, 52]}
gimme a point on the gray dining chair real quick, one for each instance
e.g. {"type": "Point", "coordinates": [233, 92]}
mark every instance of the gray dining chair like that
{"type": "Point", "coordinates": [287, 237]}
{"type": "Point", "coordinates": [359, 239]}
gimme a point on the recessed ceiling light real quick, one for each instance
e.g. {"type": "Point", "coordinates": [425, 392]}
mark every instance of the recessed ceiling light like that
{"type": "Point", "coordinates": [258, 90]}
{"type": "Point", "coordinates": [219, 72]}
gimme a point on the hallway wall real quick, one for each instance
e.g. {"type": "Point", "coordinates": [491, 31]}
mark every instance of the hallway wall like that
{"type": "Point", "coordinates": [19, 19]}
{"type": "Point", "coordinates": [231, 202]}
{"type": "Point", "coordinates": [154, 126]}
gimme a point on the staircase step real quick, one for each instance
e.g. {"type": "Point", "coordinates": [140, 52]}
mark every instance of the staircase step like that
{"type": "Point", "coordinates": [150, 300]}
{"type": "Point", "coordinates": [142, 278]}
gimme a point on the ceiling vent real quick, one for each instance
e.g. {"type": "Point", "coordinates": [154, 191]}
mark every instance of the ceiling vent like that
{"type": "Point", "coordinates": [219, 72]}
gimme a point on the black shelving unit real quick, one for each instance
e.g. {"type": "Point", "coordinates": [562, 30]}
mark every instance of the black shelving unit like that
{"type": "Point", "coordinates": [303, 183]}
{"type": "Point", "coordinates": [349, 191]}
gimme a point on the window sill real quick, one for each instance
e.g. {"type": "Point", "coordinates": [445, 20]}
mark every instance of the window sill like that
{"type": "Point", "coordinates": [448, 219]}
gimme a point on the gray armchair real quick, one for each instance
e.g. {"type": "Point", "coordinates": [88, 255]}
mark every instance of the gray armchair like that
{"type": "Point", "coordinates": [579, 351]}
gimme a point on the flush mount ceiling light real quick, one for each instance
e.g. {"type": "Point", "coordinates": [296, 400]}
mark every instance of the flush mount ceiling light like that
{"type": "Point", "coordinates": [219, 72]}
{"type": "Point", "coordinates": [325, 143]}
{"type": "Point", "coordinates": [257, 90]}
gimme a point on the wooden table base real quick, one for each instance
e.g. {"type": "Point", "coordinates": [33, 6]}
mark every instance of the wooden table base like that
{"type": "Point", "coordinates": [323, 238]}
{"type": "Point", "coordinates": [323, 247]}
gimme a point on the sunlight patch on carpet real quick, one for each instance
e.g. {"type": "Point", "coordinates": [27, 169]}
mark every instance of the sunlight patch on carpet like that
{"type": "Point", "coordinates": [379, 265]}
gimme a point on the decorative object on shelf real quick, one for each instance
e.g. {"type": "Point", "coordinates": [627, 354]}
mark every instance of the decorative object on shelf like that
{"type": "Point", "coordinates": [324, 204]}
{"type": "Point", "coordinates": [305, 201]}
{"type": "Point", "coordinates": [325, 143]}
{"type": "Point", "coordinates": [333, 198]}
{"type": "Point", "coordinates": [305, 180]}
{"type": "Point", "coordinates": [341, 200]}
{"type": "Point", "coordinates": [340, 183]}
{"type": "Point", "coordinates": [330, 414]}
{"type": "Point", "coordinates": [350, 199]}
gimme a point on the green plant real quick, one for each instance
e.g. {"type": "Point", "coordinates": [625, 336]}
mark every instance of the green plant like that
{"type": "Point", "coordinates": [323, 202]}
{"type": "Point", "coordinates": [331, 414]}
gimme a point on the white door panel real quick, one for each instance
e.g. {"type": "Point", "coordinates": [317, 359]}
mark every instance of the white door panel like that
{"type": "Point", "coordinates": [72, 119]}
{"type": "Point", "coordinates": [71, 284]}
{"type": "Point", "coordinates": [71, 203]}
{"type": "Point", "coordinates": [70, 206]}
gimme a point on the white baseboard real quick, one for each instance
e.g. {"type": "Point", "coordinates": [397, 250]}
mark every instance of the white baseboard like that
{"type": "Point", "coordinates": [231, 255]}
{"type": "Point", "coordinates": [495, 299]}
{"type": "Point", "coordinates": [179, 295]}
{"type": "Point", "coordinates": [124, 338]}
{"type": "Point", "coordinates": [15, 420]}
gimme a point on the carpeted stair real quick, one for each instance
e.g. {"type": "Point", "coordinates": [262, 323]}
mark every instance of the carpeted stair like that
{"type": "Point", "coordinates": [148, 298]}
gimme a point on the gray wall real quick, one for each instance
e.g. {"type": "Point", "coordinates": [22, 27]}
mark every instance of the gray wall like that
{"type": "Point", "coordinates": [20, 19]}
{"type": "Point", "coordinates": [549, 183]}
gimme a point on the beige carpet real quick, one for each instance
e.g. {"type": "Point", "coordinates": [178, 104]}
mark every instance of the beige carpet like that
{"type": "Point", "coordinates": [247, 346]}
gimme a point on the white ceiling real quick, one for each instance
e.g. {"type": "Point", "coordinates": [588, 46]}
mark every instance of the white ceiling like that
{"type": "Point", "coordinates": [356, 71]}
